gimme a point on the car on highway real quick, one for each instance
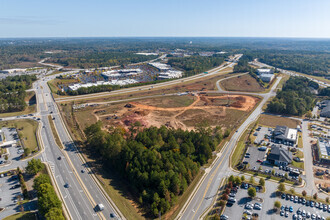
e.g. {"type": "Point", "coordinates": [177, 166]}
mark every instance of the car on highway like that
{"type": "Point", "coordinates": [113, 215]}
{"type": "Point", "coordinates": [59, 158]}
{"type": "Point", "coordinates": [66, 185]}
{"type": "Point", "coordinates": [224, 217]}
{"type": "Point", "coordinates": [82, 171]}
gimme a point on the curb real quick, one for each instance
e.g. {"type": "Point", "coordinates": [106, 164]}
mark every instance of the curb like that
{"type": "Point", "coordinates": [106, 196]}
{"type": "Point", "coordinates": [185, 206]}
{"type": "Point", "coordinates": [88, 195]}
{"type": "Point", "coordinates": [213, 202]}
{"type": "Point", "coordinates": [58, 192]}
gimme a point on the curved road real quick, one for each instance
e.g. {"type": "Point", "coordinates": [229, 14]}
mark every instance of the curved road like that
{"type": "Point", "coordinates": [203, 196]}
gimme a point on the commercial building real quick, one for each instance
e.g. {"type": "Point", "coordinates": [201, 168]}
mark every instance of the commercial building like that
{"type": "Point", "coordinates": [265, 71]}
{"type": "Point", "coordinates": [99, 83]}
{"type": "Point", "coordinates": [325, 109]}
{"type": "Point", "coordinates": [170, 74]}
{"type": "Point", "coordinates": [10, 71]}
{"type": "Point", "coordinates": [285, 135]}
{"type": "Point", "coordinates": [121, 73]}
{"type": "Point", "coordinates": [160, 66]}
{"type": "Point", "coordinates": [279, 156]}
{"type": "Point", "coordinates": [166, 71]}
{"type": "Point", "coordinates": [323, 149]}
{"type": "Point", "coordinates": [265, 77]}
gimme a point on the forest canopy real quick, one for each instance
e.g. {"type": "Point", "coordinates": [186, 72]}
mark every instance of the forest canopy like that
{"type": "Point", "coordinates": [158, 163]}
{"type": "Point", "coordinates": [12, 92]}
{"type": "Point", "coordinates": [295, 98]}
{"type": "Point", "coordinates": [196, 64]}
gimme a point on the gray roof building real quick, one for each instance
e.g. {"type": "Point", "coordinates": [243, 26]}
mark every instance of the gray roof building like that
{"type": "Point", "coordinates": [279, 156]}
{"type": "Point", "coordinates": [284, 134]}
{"type": "Point", "coordinates": [325, 112]}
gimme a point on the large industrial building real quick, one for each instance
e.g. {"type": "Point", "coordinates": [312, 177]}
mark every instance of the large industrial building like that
{"type": "Point", "coordinates": [265, 71]}
{"type": "Point", "coordinates": [100, 83]}
{"type": "Point", "coordinates": [166, 71]}
{"type": "Point", "coordinates": [121, 73]}
{"type": "Point", "coordinates": [266, 75]}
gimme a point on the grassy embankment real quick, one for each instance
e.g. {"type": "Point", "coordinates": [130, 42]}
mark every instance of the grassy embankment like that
{"type": "Point", "coordinates": [22, 216]}
{"type": "Point", "coordinates": [26, 129]}
{"type": "Point", "coordinates": [54, 131]}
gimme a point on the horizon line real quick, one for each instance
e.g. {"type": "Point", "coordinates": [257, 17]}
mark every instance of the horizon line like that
{"type": "Point", "coordinates": [260, 37]}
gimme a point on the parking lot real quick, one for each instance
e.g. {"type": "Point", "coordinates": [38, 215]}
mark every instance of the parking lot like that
{"type": "Point", "coordinates": [297, 205]}
{"type": "Point", "coordinates": [253, 155]}
{"type": "Point", "coordinates": [9, 191]}
{"type": "Point", "coordinates": [261, 133]}
{"type": "Point", "coordinates": [236, 210]}
{"type": "Point", "coordinates": [267, 200]}
{"type": "Point", "coordinates": [15, 152]}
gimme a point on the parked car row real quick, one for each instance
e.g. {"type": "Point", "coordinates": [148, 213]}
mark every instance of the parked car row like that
{"type": "Point", "coordinates": [311, 203]}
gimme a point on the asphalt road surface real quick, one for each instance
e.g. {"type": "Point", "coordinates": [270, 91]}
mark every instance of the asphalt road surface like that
{"type": "Point", "coordinates": [203, 197]}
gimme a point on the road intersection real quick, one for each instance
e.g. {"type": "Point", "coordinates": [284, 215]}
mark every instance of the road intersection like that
{"type": "Point", "coordinates": [85, 191]}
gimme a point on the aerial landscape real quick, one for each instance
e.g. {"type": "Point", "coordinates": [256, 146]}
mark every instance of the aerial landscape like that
{"type": "Point", "coordinates": [177, 110]}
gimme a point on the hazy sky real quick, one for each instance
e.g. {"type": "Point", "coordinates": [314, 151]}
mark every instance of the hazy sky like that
{"type": "Point", "coordinates": [112, 18]}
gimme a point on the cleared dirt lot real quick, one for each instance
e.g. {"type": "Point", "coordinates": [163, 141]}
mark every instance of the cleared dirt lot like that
{"type": "Point", "coordinates": [172, 111]}
{"type": "Point", "coordinates": [242, 83]}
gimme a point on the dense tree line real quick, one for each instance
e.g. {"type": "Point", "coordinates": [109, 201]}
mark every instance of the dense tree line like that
{"type": "Point", "coordinates": [317, 64]}
{"type": "Point", "coordinates": [324, 91]}
{"type": "Point", "coordinates": [196, 64]}
{"type": "Point", "coordinates": [158, 163]}
{"type": "Point", "coordinates": [12, 92]}
{"type": "Point", "coordinates": [101, 59]}
{"type": "Point", "coordinates": [295, 98]}
{"type": "Point", "coordinates": [308, 62]}
{"type": "Point", "coordinates": [49, 205]}
{"type": "Point", "coordinates": [243, 65]}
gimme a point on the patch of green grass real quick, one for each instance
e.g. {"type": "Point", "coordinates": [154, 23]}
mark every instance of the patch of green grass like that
{"type": "Point", "coordinates": [266, 176]}
{"type": "Point", "coordinates": [22, 216]}
{"type": "Point", "coordinates": [299, 165]}
{"type": "Point", "coordinates": [54, 131]}
{"type": "Point", "coordinates": [300, 141]}
{"type": "Point", "coordinates": [52, 86]}
{"type": "Point", "coordinates": [27, 129]}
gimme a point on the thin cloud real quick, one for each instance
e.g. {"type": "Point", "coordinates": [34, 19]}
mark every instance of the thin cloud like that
{"type": "Point", "coordinates": [17, 20]}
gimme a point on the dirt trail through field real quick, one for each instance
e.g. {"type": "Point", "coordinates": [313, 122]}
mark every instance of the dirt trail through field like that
{"type": "Point", "coordinates": [244, 103]}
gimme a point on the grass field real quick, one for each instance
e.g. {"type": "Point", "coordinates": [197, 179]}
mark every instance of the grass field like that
{"type": "Point", "coordinates": [244, 83]}
{"type": "Point", "coordinates": [54, 131]}
{"type": "Point", "coordinates": [53, 85]}
{"type": "Point", "coordinates": [27, 131]}
{"type": "Point", "coordinates": [299, 165]}
{"type": "Point", "coordinates": [272, 121]}
{"type": "Point", "coordinates": [172, 101]}
{"type": "Point", "coordinates": [22, 216]}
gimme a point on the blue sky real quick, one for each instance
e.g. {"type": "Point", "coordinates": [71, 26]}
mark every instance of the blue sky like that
{"type": "Point", "coordinates": [114, 18]}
